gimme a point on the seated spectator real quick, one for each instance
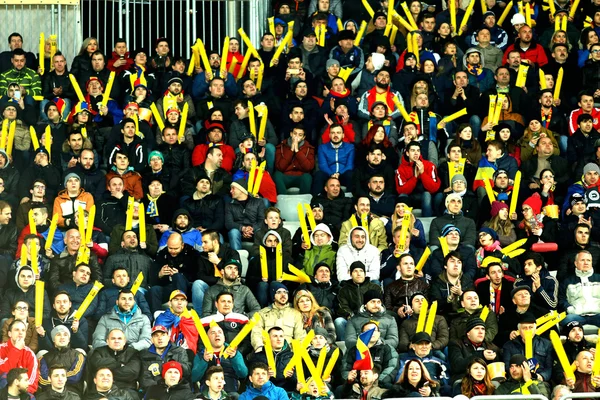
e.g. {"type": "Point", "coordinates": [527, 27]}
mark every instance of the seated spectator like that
{"type": "Point", "coordinates": [438, 339]}
{"type": "Point", "coordinates": [279, 310]}
{"type": "Point", "coordinates": [496, 158]}
{"type": "Point", "coordinates": [79, 287]}
{"type": "Point", "coordinates": [536, 276]}
{"type": "Point", "coordinates": [112, 208]}
{"type": "Point", "coordinates": [589, 180]}
{"type": "Point", "coordinates": [20, 312]}
{"type": "Point", "coordinates": [267, 187]}
{"type": "Point", "coordinates": [579, 300]}
{"type": "Point", "coordinates": [130, 257]}
{"type": "Point", "coordinates": [374, 225]}
{"type": "Point", "coordinates": [383, 354]}
{"type": "Point", "coordinates": [536, 226]}
{"type": "Point", "coordinates": [104, 385]}
{"type": "Point", "coordinates": [414, 380]}
{"type": "Point", "coordinates": [260, 384]}
{"type": "Point", "coordinates": [161, 352]}
{"type": "Point", "coordinates": [118, 233]}
{"type": "Point", "coordinates": [358, 248]}
{"type": "Point", "coordinates": [372, 310]}
{"type": "Point", "coordinates": [120, 166]}
{"type": "Point", "coordinates": [458, 185]}
{"type": "Point", "coordinates": [585, 381]}
{"type": "Point", "coordinates": [16, 354]}
{"type": "Point", "coordinates": [294, 162]}
{"type": "Point", "coordinates": [494, 291]}
{"type": "Point", "coordinates": [399, 293]}
{"type": "Point", "coordinates": [336, 206]}
{"type": "Point", "coordinates": [72, 361]}
{"type": "Point", "coordinates": [453, 214]}
{"type": "Point", "coordinates": [448, 287]}
{"type": "Point", "coordinates": [215, 138]}
{"type": "Point", "coordinates": [172, 384]}
{"type": "Point", "coordinates": [501, 224]}
{"type": "Point", "coordinates": [184, 225]}
{"type": "Point", "coordinates": [435, 265]}
{"type": "Point", "coordinates": [42, 226]}
{"type": "Point", "coordinates": [24, 291]}
{"type": "Point", "coordinates": [57, 378]}
{"type": "Point", "coordinates": [314, 315]}
{"type": "Point", "coordinates": [17, 382]}
{"type": "Point", "coordinates": [477, 379]}
{"type": "Point", "coordinates": [521, 380]}
{"type": "Point", "coordinates": [336, 158]}
{"type": "Point", "coordinates": [107, 297]}
{"type": "Point", "coordinates": [242, 215]}
{"type": "Point", "coordinates": [321, 251]}
{"type": "Point", "coordinates": [417, 179]}
{"type": "Point", "coordinates": [128, 315]}
{"type": "Point", "coordinates": [272, 222]}
{"type": "Point", "coordinates": [377, 164]}
{"type": "Point", "coordinates": [207, 210]}
{"type": "Point", "coordinates": [469, 301]}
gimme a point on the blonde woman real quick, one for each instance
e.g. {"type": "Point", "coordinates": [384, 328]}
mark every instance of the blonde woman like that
{"type": "Point", "coordinates": [416, 227]}
{"type": "Point", "coordinates": [314, 315]}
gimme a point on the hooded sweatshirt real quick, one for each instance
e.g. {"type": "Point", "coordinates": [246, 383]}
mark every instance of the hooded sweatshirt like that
{"type": "Point", "coordinates": [348, 253]}
{"type": "Point", "coordinates": [319, 254]}
{"type": "Point", "coordinates": [190, 235]}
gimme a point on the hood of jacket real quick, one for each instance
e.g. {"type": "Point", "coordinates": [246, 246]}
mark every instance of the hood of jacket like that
{"type": "Point", "coordinates": [324, 228]}
{"type": "Point", "coordinates": [17, 276]}
{"type": "Point", "coordinates": [270, 232]}
{"type": "Point", "coordinates": [183, 211]}
{"type": "Point", "coordinates": [367, 242]}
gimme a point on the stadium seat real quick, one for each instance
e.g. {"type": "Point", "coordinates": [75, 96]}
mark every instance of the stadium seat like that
{"type": "Point", "coordinates": [288, 203]}
{"type": "Point", "coordinates": [244, 259]}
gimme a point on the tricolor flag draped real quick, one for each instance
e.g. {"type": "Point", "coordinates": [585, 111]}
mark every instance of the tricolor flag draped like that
{"type": "Point", "coordinates": [363, 355]}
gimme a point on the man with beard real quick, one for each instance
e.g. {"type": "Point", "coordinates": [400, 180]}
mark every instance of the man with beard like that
{"type": "Point", "coordinates": [382, 202]}
{"type": "Point", "coordinates": [17, 384]}
{"type": "Point", "coordinates": [399, 293]}
{"type": "Point", "coordinates": [381, 90]}
{"type": "Point", "coordinates": [376, 164]}
{"type": "Point", "coordinates": [92, 178]}
{"type": "Point", "coordinates": [543, 160]}
{"type": "Point", "coordinates": [521, 380]}
{"type": "Point", "coordinates": [358, 248]}
{"type": "Point", "coordinates": [184, 225]}
{"type": "Point", "coordinates": [214, 138]}
{"type": "Point", "coordinates": [230, 282]}
{"type": "Point", "coordinates": [282, 352]}
{"type": "Point", "coordinates": [208, 270]}
{"type": "Point", "coordinates": [221, 179]}
{"type": "Point", "coordinates": [203, 81]}
{"type": "Point", "coordinates": [495, 289]}
{"type": "Point", "coordinates": [125, 314]}
{"type": "Point", "coordinates": [336, 159]}
{"type": "Point", "coordinates": [581, 145]}
{"type": "Point", "coordinates": [63, 315]}
{"type": "Point", "coordinates": [178, 321]}
{"type": "Point", "coordinates": [174, 96]}
{"type": "Point", "coordinates": [130, 257]}
{"type": "Point", "coordinates": [367, 384]}
{"type": "Point", "coordinates": [161, 352]}
{"type": "Point", "coordinates": [260, 385]}
{"type": "Point", "coordinates": [375, 226]}
{"type": "Point", "coordinates": [531, 51]}
{"type": "Point", "coordinates": [109, 294]}
{"type": "Point", "coordinates": [243, 215]}
{"type": "Point", "coordinates": [72, 360]}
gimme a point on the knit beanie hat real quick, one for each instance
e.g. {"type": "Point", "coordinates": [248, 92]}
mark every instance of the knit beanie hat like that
{"type": "Point", "coordinates": [496, 207]}
{"type": "Point", "coordinates": [473, 323]}
{"type": "Point", "coordinates": [490, 232]}
{"type": "Point", "coordinates": [535, 202]}
{"type": "Point", "coordinates": [171, 364]}
{"type": "Point", "coordinates": [57, 329]}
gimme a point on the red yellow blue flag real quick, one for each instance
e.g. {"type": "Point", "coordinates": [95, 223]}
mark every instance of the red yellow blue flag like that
{"type": "Point", "coordinates": [363, 355]}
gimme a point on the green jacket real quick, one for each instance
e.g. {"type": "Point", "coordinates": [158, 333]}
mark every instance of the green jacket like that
{"type": "Point", "coordinates": [25, 77]}
{"type": "Point", "coordinates": [317, 254]}
{"type": "Point", "coordinates": [518, 387]}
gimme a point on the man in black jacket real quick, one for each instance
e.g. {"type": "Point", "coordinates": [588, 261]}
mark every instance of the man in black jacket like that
{"type": "Point", "coordinates": [8, 238]}
{"type": "Point", "coordinates": [336, 207]}
{"type": "Point", "coordinates": [17, 384]}
{"type": "Point", "coordinates": [104, 388]}
{"type": "Point", "coordinates": [221, 180]}
{"type": "Point", "coordinates": [243, 215]}
{"type": "Point", "coordinates": [542, 160]}
{"type": "Point", "coordinates": [92, 178]}
{"type": "Point", "coordinates": [581, 147]}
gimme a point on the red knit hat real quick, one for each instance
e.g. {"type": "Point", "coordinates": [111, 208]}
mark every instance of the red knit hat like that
{"type": "Point", "coordinates": [496, 207]}
{"type": "Point", "coordinates": [535, 202]}
{"type": "Point", "coordinates": [171, 364]}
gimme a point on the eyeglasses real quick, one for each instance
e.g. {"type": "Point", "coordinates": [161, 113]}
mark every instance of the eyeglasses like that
{"type": "Point", "coordinates": [595, 51]}
{"type": "Point", "coordinates": [21, 308]}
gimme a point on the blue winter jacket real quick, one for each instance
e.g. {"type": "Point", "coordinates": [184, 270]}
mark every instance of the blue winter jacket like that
{"type": "Point", "coordinates": [332, 160]}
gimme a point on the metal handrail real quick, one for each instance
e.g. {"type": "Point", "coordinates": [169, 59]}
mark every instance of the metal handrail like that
{"type": "Point", "coordinates": [510, 396]}
{"type": "Point", "coordinates": [580, 396]}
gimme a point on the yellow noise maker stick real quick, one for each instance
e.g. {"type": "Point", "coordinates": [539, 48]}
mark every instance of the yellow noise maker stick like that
{"type": "Point", "coordinates": [545, 318]}
{"type": "Point", "coordinates": [258, 180]}
{"type": "Point", "coordinates": [422, 316]}
{"type": "Point", "coordinates": [34, 260]}
{"type": "Point", "coordinates": [264, 269]}
{"type": "Point", "coordinates": [42, 53]}
{"type": "Point", "coordinates": [542, 79]}
{"type": "Point", "coordinates": [11, 138]}
{"type": "Point", "coordinates": [190, 69]}
{"type": "Point", "coordinates": [88, 300]}
{"type": "Point", "coordinates": [109, 85]}
{"type": "Point", "coordinates": [361, 32]}
{"type": "Point", "coordinates": [488, 190]}
{"type": "Point", "coordinates": [574, 8]}
{"type": "Point", "coordinates": [129, 217]}
{"type": "Point", "coordinates": [269, 352]}
{"type": "Point", "coordinates": [310, 215]}
{"type": "Point", "coordinates": [182, 123]}
{"type": "Point", "coordinates": [81, 224]}
{"type": "Point", "coordinates": [263, 113]}
{"type": "Point", "coordinates": [137, 283]}
{"type": "Point", "coordinates": [252, 118]}
{"type": "Point", "coordinates": [225, 56]}
{"type": "Point", "coordinates": [297, 275]}
{"type": "Point", "coordinates": [492, 107]}
{"type": "Point", "coordinates": [444, 245]}
{"type": "Point", "coordinates": [596, 367]}
{"type": "Point", "coordinates": [286, 40]}
{"type": "Point", "coordinates": [251, 175]}
{"type": "Point", "coordinates": [237, 340]}
{"type": "Point", "coordinates": [454, 116]}
{"type": "Point", "coordinates": [321, 361]}
{"type": "Point", "coordinates": [558, 85]}
{"type": "Point", "coordinates": [51, 232]}
{"type": "Point", "coordinates": [303, 226]}
{"type": "Point", "coordinates": [550, 324]}
{"type": "Point", "coordinates": [278, 262]}
{"type": "Point", "coordinates": [32, 227]}
{"type": "Point", "coordinates": [561, 355]}
{"type": "Point", "coordinates": [522, 75]}
{"type": "Point", "coordinates": [401, 108]}
{"type": "Point", "coordinates": [506, 12]}
{"type": "Point", "coordinates": [200, 328]}
{"type": "Point", "coordinates": [528, 337]}
{"type": "Point", "coordinates": [484, 313]}
{"type": "Point", "coordinates": [34, 139]}
{"type": "Point", "coordinates": [24, 254]}
{"type": "Point", "coordinates": [368, 8]}
{"type": "Point", "coordinates": [465, 19]}
{"type": "Point", "coordinates": [90, 225]}
{"type": "Point", "coordinates": [423, 259]}
{"type": "Point", "coordinates": [404, 229]}
{"type": "Point", "coordinates": [39, 302]}
{"type": "Point", "coordinates": [48, 141]}
{"type": "Point", "coordinates": [515, 193]}
{"type": "Point", "coordinates": [331, 364]}
{"type": "Point", "coordinates": [431, 318]}
{"type": "Point", "coordinates": [76, 87]}
{"type": "Point", "coordinates": [157, 117]}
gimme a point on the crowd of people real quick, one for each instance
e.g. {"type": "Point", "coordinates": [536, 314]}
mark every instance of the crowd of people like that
{"type": "Point", "coordinates": [133, 184]}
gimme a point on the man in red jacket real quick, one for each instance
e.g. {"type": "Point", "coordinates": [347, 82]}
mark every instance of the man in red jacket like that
{"type": "Point", "coordinates": [120, 61]}
{"type": "Point", "coordinates": [417, 179]}
{"type": "Point", "coordinates": [294, 161]}
{"type": "Point", "coordinates": [529, 49]}
{"type": "Point", "coordinates": [14, 354]}
{"type": "Point", "coordinates": [215, 137]}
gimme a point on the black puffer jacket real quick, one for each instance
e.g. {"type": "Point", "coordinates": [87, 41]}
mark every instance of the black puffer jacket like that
{"type": "Point", "coordinates": [125, 365]}
{"type": "Point", "coordinates": [93, 180]}
{"type": "Point", "coordinates": [10, 175]}
{"type": "Point", "coordinates": [52, 80]}
{"type": "Point", "coordinates": [186, 262]}
{"type": "Point", "coordinates": [161, 391]}
{"type": "Point", "coordinates": [335, 211]}
{"type": "Point", "coordinates": [52, 395]}
{"type": "Point", "coordinates": [111, 212]}
{"type": "Point", "coordinates": [250, 214]}
{"type": "Point", "coordinates": [221, 181]}
{"type": "Point", "coordinates": [351, 296]}
{"type": "Point", "coordinates": [208, 212]}
{"type": "Point", "coordinates": [81, 66]}
{"type": "Point", "coordinates": [152, 364]}
{"type": "Point", "coordinates": [177, 159]}
{"type": "Point", "coordinates": [8, 240]}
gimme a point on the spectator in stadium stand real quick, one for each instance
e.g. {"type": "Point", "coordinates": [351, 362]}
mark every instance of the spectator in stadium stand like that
{"type": "Point", "coordinates": [494, 290]}
{"type": "Point", "coordinates": [398, 294]}
{"type": "Point", "coordinates": [542, 348]}
{"type": "Point", "coordinates": [585, 381]}
{"type": "Point", "coordinates": [574, 344]}
{"type": "Point", "coordinates": [93, 178]}
{"type": "Point", "coordinates": [230, 282]}
{"type": "Point", "coordinates": [69, 200]}
{"type": "Point", "coordinates": [372, 310]}
{"type": "Point", "coordinates": [471, 308]}
{"type": "Point", "coordinates": [234, 367]}
{"type": "Point", "coordinates": [521, 380]}
{"type": "Point", "coordinates": [183, 224]}
{"type": "Point", "coordinates": [582, 241]}
{"type": "Point", "coordinates": [216, 136]}
{"type": "Point", "coordinates": [543, 285]}
{"type": "Point", "coordinates": [150, 246]}
{"type": "Point", "coordinates": [383, 355]}
{"type": "Point", "coordinates": [24, 291]}
{"type": "Point", "coordinates": [40, 169]}
{"type": "Point", "coordinates": [267, 188]}
{"type": "Point", "coordinates": [358, 248]}
{"type": "Point", "coordinates": [531, 51]}
{"type": "Point", "coordinates": [221, 179]}
{"type": "Point", "coordinates": [17, 383]}
{"type": "Point", "coordinates": [578, 298]}
{"type": "Point", "coordinates": [449, 285]}
{"type": "Point", "coordinates": [272, 222]}
{"type": "Point", "coordinates": [55, 114]}
{"type": "Point", "coordinates": [104, 385]}
{"type": "Point", "coordinates": [261, 386]}
{"type": "Point", "coordinates": [216, 97]}
{"type": "Point", "coordinates": [321, 251]}
{"type": "Point", "coordinates": [581, 145]}
{"type": "Point", "coordinates": [120, 60]}
{"type": "Point", "coordinates": [294, 162]}
{"type": "Point", "coordinates": [112, 208]}
{"type": "Point", "coordinates": [243, 214]}
{"type": "Point", "coordinates": [591, 71]}
{"type": "Point", "coordinates": [20, 312]}
{"type": "Point", "coordinates": [63, 264]}
{"type": "Point", "coordinates": [282, 351]}
{"type": "Point", "coordinates": [174, 96]}
{"type": "Point", "coordinates": [16, 354]}
{"type": "Point", "coordinates": [101, 73]}
{"type": "Point", "coordinates": [29, 81]}
{"type": "Point", "coordinates": [174, 268]}
{"type": "Point", "coordinates": [177, 70]}
{"type": "Point", "coordinates": [232, 322]}
{"type": "Point", "coordinates": [107, 297]}
{"type": "Point", "coordinates": [72, 360]}
{"type": "Point", "coordinates": [176, 156]}
{"type": "Point", "coordinates": [314, 314]}
{"type": "Point", "coordinates": [279, 310]}
{"type": "Point", "coordinates": [127, 158]}
{"type": "Point", "coordinates": [589, 182]}
{"type": "Point", "coordinates": [63, 315]}
{"type": "Point", "coordinates": [178, 321]}
{"type": "Point", "coordinates": [335, 158]}
{"type": "Point", "coordinates": [335, 205]}
{"type": "Point", "coordinates": [586, 106]}
{"type": "Point", "coordinates": [439, 335]}
{"type": "Point", "coordinates": [56, 388]}
{"type": "Point", "coordinates": [160, 353]}
{"type": "Point", "coordinates": [8, 234]}
{"type": "Point", "coordinates": [375, 226]}
{"type": "Point", "coordinates": [173, 384]}
{"type": "Point", "coordinates": [203, 80]}
{"type": "Point", "coordinates": [382, 201]}
{"type": "Point", "coordinates": [13, 113]}
{"type": "Point", "coordinates": [548, 161]}
{"type": "Point", "coordinates": [78, 289]}
{"type": "Point", "coordinates": [129, 256]}
{"type": "Point", "coordinates": [15, 41]}
{"type": "Point", "coordinates": [124, 315]}
{"type": "Point", "coordinates": [104, 115]}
